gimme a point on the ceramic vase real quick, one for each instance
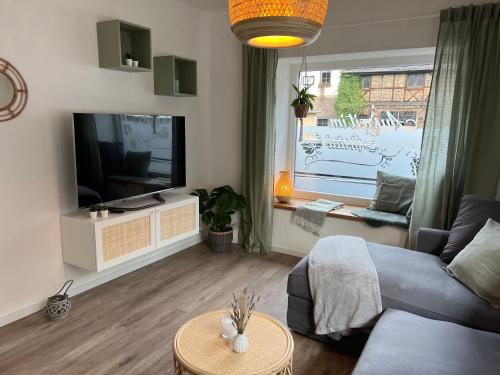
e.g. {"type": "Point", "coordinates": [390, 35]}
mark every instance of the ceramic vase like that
{"type": "Point", "coordinates": [128, 62]}
{"type": "Point", "coordinates": [228, 331]}
{"type": "Point", "coordinates": [240, 343]}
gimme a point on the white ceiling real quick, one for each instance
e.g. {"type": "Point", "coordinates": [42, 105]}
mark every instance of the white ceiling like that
{"type": "Point", "coordinates": [354, 12]}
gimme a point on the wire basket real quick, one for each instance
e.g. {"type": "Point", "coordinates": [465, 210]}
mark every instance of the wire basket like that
{"type": "Point", "coordinates": [59, 305]}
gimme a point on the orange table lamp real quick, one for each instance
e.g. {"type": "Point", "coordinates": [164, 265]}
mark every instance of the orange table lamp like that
{"type": "Point", "coordinates": [284, 187]}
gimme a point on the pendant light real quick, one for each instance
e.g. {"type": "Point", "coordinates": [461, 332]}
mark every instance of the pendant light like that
{"type": "Point", "coordinates": [277, 23]}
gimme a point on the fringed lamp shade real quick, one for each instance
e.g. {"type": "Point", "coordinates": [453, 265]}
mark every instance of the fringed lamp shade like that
{"type": "Point", "coordinates": [284, 187]}
{"type": "Point", "coordinates": [277, 23]}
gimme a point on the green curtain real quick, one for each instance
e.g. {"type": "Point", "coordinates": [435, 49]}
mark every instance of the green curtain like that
{"type": "Point", "coordinates": [258, 140]}
{"type": "Point", "coordinates": [461, 142]}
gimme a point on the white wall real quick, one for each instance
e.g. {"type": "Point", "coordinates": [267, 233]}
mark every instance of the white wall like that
{"type": "Point", "coordinates": [226, 86]}
{"type": "Point", "coordinates": [289, 238]}
{"type": "Point", "coordinates": [54, 45]}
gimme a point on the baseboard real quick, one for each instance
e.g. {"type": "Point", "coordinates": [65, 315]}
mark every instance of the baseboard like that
{"type": "Point", "coordinates": [21, 313]}
{"type": "Point", "coordinates": [295, 253]}
{"type": "Point", "coordinates": [108, 275]}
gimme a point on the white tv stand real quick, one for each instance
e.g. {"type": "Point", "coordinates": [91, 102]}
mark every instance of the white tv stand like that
{"type": "Point", "coordinates": [96, 245]}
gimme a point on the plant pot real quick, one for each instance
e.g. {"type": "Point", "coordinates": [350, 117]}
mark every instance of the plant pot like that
{"type": "Point", "coordinates": [301, 110]}
{"type": "Point", "coordinates": [240, 343]}
{"type": "Point", "coordinates": [129, 62]}
{"type": "Point", "coordinates": [220, 242]}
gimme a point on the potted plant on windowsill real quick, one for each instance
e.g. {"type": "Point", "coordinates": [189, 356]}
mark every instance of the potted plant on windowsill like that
{"type": "Point", "coordinates": [303, 103]}
{"type": "Point", "coordinates": [216, 210]}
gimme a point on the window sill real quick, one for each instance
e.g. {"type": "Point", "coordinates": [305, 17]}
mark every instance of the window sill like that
{"type": "Point", "coordinates": [345, 212]}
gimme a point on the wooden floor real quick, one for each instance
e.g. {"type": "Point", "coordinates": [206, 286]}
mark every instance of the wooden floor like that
{"type": "Point", "coordinates": [127, 325]}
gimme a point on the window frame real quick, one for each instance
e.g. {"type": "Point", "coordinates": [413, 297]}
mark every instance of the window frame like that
{"type": "Point", "coordinates": [321, 118]}
{"type": "Point", "coordinates": [415, 75]}
{"type": "Point", "coordinates": [369, 80]}
{"type": "Point", "coordinates": [322, 81]}
{"type": "Point", "coordinates": [288, 72]}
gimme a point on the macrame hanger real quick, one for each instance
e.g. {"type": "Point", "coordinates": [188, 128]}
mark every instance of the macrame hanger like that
{"type": "Point", "coordinates": [303, 68]}
{"type": "Point", "coordinates": [304, 84]}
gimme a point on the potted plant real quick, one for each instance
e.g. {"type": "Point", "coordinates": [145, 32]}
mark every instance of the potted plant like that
{"type": "Point", "coordinates": [216, 209]}
{"type": "Point", "coordinates": [303, 102]}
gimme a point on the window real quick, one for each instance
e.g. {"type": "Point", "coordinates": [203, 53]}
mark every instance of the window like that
{"type": "Point", "coordinates": [408, 117]}
{"type": "Point", "coordinates": [405, 118]}
{"type": "Point", "coordinates": [350, 135]}
{"type": "Point", "coordinates": [415, 80]}
{"type": "Point", "coordinates": [322, 122]}
{"type": "Point", "coordinates": [366, 82]}
{"type": "Point", "coordinates": [326, 77]}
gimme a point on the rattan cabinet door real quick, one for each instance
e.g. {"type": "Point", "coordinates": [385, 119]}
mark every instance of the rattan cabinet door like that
{"type": "Point", "coordinates": [176, 222]}
{"type": "Point", "coordinates": [125, 239]}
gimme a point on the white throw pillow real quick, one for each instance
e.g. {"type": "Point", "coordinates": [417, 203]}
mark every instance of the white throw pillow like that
{"type": "Point", "coordinates": [477, 266]}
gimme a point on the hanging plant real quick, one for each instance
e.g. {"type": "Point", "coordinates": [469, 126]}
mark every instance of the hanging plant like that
{"type": "Point", "coordinates": [303, 103]}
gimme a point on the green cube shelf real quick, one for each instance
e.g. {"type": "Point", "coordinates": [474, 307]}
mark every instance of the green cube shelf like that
{"type": "Point", "coordinates": [118, 38]}
{"type": "Point", "coordinates": [175, 76]}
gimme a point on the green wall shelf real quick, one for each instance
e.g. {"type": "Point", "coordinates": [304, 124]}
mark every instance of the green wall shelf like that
{"type": "Point", "coordinates": [118, 38]}
{"type": "Point", "coordinates": [175, 76]}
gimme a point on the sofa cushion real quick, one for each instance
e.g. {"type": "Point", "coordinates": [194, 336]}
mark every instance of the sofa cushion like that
{"type": "Point", "coordinates": [404, 343]}
{"type": "Point", "coordinates": [478, 265]}
{"type": "Point", "coordinates": [394, 193]}
{"type": "Point", "coordinates": [415, 282]}
{"type": "Point", "coordinates": [473, 213]}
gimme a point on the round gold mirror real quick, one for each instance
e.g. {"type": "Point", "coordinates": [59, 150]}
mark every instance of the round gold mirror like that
{"type": "Point", "coordinates": [6, 91]}
{"type": "Point", "coordinates": [13, 91]}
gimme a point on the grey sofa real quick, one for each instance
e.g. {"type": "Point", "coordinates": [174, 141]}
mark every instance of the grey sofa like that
{"type": "Point", "coordinates": [412, 281]}
{"type": "Point", "coordinates": [434, 311]}
{"type": "Point", "coordinates": [404, 343]}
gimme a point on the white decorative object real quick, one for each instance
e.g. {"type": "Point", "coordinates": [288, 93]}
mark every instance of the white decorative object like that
{"type": "Point", "coordinates": [135, 63]}
{"type": "Point", "coordinates": [104, 212]}
{"type": "Point", "coordinates": [129, 62]}
{"type": "Point", "coordinates": [93, 215]}
{"type": "Point", "coordinates": [96, 245]}
{"type": "Point", "coordinates": [228, 330]}
{"type": "Point", "coordinates": [240, 343]}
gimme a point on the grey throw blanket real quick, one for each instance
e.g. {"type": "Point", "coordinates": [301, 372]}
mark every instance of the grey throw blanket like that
{"type": "Point", "coordinates": [381, 218]}
{"type": "Point", "coordinates": [311, 216]}
{"type": "Point", "coordinates": [344, 285]}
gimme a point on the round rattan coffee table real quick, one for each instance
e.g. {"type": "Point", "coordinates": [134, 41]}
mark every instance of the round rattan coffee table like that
{"type": "Point", "coordinates": [199, 349]}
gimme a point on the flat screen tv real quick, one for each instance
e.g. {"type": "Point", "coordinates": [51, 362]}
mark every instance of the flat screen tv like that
{"type": "Point", "coordinates": [121, 156]}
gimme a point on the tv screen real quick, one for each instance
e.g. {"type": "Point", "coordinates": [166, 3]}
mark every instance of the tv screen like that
{"type": "Point", "coordinates": [120, 156]}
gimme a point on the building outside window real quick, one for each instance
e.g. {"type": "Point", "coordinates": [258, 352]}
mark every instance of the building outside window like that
{"type": "Point", "coordinates": [326, 78]}
{"type": "Point", "coordinates": [322, 122]}
{"type": "Point", "coordinates": [366, 81]}
{"type": "Point", "coordinates": [415, 80]}
{"type": "Point", "coordinates": [370, 119]}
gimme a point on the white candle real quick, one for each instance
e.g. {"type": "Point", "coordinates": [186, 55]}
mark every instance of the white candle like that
{"type": "Point", "coordinates": [228, 331]}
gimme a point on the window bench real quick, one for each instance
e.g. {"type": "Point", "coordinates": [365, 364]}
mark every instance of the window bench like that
{"type": "Point", "coordinates": [291, 239]}
{"type": "Point", "coordinates": [344, 212]}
